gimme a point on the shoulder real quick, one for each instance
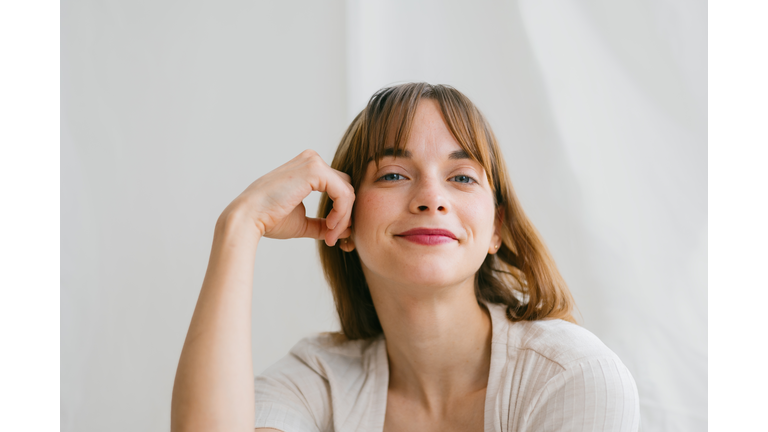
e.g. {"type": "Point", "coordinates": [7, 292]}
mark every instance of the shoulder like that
{"type": "Point", "coordinates": [591, 389]}
{"type": "Point", "coordinates": [559, 342]}
{"type": "Point", "coordinates": [333, 349]}
{"type": "Point", "coordinates": [296, 393]}
{"type": "Point", "coordinates": [556, 370]}
{"type": "Point", "coordinates": [326, 356]}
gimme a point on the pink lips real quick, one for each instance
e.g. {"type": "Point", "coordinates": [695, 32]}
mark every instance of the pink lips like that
{"type": "Point", "coordinates": [428, 236]}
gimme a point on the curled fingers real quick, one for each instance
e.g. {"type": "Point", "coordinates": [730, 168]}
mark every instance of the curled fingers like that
{"type": "Point", "coordinates": [337, 185]}
{"type": "Point", "coordinates": [339, 219]}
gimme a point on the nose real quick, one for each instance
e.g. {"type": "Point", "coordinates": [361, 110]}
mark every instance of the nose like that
{"type": "Point", "coordinates": [429, 197]}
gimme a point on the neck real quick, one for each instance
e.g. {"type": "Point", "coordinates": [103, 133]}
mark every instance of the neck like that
{"type": "Point", "coordinates": [438, 342]}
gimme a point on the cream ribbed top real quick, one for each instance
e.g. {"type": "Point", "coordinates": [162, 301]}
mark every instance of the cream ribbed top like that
{"type": "Point", "coordinates": [545, 376]}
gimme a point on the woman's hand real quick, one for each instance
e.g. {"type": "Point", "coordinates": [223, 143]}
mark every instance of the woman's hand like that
{"type": "Point", "coordinates": [214, 381]}
{"type": "Point", "coordinates": [274, 202]}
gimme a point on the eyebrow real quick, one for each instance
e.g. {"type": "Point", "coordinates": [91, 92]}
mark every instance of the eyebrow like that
{"type": "Point", "coordinates": [399, 153]}
{"type": "Point", "coordinates": [458, 154]}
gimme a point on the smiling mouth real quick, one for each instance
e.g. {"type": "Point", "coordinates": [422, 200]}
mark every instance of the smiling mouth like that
{"type": "Point", "coordinates": [427, 236]}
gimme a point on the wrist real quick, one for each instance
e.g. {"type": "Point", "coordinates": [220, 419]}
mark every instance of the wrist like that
{"type": "Point", "coordinates": [234, 221]}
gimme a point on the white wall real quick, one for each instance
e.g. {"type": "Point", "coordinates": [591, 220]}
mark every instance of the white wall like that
{"type": "Point", "coordinates": [170, 109]}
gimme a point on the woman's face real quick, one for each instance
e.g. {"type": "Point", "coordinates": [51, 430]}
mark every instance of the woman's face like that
{"type": "Point", "coordinates": [427, 216]}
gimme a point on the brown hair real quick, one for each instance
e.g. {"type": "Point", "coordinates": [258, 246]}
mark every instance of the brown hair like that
{"type": "Point", "coordinates": [521, 275]}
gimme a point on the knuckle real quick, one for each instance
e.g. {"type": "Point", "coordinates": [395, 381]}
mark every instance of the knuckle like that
{"type": "Point", "coordinates": [309, 153]}
{"type": "Point", "coordinates": [315, 168]}
{"type": "Point", "coordinates": [316, 163]}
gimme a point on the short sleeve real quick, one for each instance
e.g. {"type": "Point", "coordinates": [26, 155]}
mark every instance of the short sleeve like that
{"type": "Point", "coordinates": [292, 397]}
{"type": "Point", "coordinates": [598, 394]}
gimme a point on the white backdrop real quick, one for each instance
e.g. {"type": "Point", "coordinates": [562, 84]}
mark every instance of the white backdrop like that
{"type": "Point", "coordinates": [170, 109]}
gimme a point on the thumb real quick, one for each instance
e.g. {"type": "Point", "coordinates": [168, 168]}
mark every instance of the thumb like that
{"type": "Point", "coordinates": [315, 228]}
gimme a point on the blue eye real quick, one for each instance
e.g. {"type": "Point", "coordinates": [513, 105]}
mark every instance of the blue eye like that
{"type": "Point", "coordinates": [391, 177]}
{"type": "Point", "coordinates": [463, 179]}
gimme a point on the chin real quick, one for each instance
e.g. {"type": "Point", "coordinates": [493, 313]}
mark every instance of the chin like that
{"type": "Point", "coordinates": [430, 274]}
{"type": "Point", "coordinates": [429, 270]}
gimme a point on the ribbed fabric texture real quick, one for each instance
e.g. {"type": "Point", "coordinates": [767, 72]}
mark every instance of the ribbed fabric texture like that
{"type": "Point", "coordinates": [546, 375]}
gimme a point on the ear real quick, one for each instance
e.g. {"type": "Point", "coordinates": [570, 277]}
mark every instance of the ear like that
{"type": "Point", "coordinates": [497, 224]}
{"type": "Point", "coordinates": [347, 244]}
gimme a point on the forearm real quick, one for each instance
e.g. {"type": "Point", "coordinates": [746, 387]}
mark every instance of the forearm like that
{"type": "Point", "coordinates": [213, 390]}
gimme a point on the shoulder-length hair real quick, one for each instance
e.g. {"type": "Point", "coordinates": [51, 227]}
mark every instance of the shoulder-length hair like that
{"type": "Point", "coordinates": [521, 275]}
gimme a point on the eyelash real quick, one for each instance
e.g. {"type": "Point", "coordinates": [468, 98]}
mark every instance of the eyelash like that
{"type": "Point", "coordinates": [382, 178]}
{"type": "Point", "coordinates": [390, 174]}
{"type": "Point", "coordinates": [471, 180]}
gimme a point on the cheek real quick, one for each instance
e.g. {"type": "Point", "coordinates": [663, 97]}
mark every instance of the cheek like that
{"type": "Point", "coordinates": [481, 217]}
{"type": "Point", "coordinates": [370, 210]}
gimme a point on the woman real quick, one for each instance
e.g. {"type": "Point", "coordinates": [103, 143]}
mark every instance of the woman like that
{"type": "Point", "coordinates": [453, 315]}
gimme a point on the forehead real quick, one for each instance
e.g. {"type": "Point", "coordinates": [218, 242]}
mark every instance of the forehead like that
{"type": "Point", "coordinates": [428, 134]}
{"type": "Point", "coordinates": [429, 119]}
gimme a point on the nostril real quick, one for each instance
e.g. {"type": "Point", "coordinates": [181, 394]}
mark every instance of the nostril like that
{"type": "Point", "coordinates": [441, 208]}
{"type": "Point", "coordinates": [422, 208]}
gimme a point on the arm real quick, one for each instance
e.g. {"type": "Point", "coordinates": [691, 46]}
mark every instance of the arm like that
{"type": "Point", "coordinates": [598, 394]}
{"type": "Point", "coordinates": [213, 390]}
{"type": "Point", "coordinates": [214, 386]}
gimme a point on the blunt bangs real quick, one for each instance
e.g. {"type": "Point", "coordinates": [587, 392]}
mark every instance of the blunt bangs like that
{"type": "Point", "coordinates": [386, 124]}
